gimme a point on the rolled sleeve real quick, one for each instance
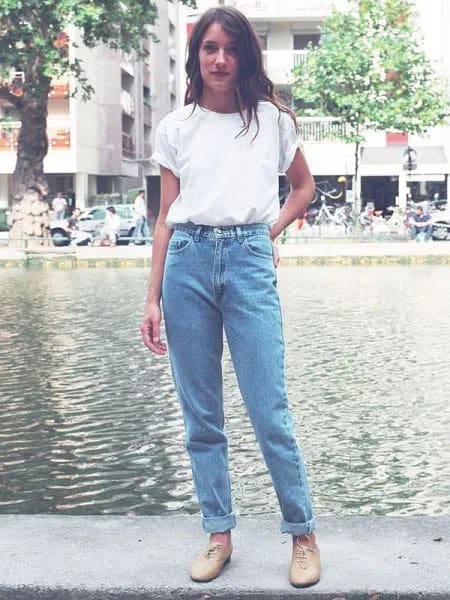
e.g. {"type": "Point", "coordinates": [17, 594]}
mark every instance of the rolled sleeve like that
{"type": "Point", "coordinates": [289, 142]}
{"type": "Point", "coordinates": [165, 153]}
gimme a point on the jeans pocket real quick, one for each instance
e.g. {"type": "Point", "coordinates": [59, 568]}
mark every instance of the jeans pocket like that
{"type": "Point", "coordinates": [259, 245]}
{"type": "Point", "coordinates": [179, 242]}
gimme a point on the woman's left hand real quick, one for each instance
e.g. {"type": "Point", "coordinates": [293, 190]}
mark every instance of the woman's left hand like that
{"type": "Point", "coordinates": [276, 255]}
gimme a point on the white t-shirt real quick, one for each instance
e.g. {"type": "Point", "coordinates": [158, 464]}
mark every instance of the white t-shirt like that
{"type": "Point", "coordinates": [224, 179]}
{"type": "Point", "coordinates": [140, 210]}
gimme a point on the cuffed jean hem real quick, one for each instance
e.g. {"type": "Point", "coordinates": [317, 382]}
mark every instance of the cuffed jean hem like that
{"type": "Point", "coordinates": [219, 524]}
{"type": "Point", "coordinates": [298, 528]}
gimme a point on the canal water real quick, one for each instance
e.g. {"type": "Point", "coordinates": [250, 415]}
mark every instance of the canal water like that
{"type": "Point", "coordinates": [90, 422]}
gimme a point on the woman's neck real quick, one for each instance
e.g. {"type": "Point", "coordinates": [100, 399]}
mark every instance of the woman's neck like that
{"type": "Point", "coordinates": [221, 103]}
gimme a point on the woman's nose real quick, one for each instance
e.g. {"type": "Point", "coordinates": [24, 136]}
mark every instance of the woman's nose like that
{"type": "Point", "coordinates": [220, 56]}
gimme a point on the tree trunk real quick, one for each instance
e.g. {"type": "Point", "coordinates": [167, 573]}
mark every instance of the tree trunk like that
{"type": "Point", "coordinates": [29, 186]}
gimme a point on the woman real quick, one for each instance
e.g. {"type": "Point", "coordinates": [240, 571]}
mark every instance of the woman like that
{"type": "Point", "coordinates": [214, 265]}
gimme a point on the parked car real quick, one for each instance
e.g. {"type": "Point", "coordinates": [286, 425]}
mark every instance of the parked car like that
{"type": "Point", "coordinates": [441, 226]}
{"type": "Point", "coordinates": [92, 220]}
{"type": "Point", "coordinates": [440, 219]}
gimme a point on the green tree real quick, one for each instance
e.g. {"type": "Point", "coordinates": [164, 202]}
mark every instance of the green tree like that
{"type": "Point", "coordinates": [33, 40]}
{"type": "Point", "coordinates": [370, 71]}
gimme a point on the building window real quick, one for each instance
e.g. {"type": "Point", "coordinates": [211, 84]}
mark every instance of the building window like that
{"type": "Point", "coordinates": [146, 95]}
{"type": "Point", "coordinates": [301, 40]}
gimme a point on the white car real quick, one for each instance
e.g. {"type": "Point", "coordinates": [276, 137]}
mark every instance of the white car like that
{"type": "Point", "coordinates": [92, 220]}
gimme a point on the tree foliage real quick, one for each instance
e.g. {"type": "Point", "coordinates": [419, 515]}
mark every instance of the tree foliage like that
{"type": "Point", "coordinates": [370, 70]}
{"type": "Point", "coordinates": [33, 37]}
{"type": "Point", "coordinates": [38, 39]}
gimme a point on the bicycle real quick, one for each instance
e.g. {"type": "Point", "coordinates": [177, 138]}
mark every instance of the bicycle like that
{"type": "Point", "coordinates": [329, 190]}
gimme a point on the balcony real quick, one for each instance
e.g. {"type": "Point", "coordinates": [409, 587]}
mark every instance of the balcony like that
{"type": "Point", "coordinates": [286, 10]}
{"type": "Point", "coordinates": [59, 89]}
{"type": "Point", "coordinates": [320, 129]}
{"type": "Point", "coordinates": [172, 81]}
{"type": "Point", "coordinates": [58, 133]}
{"type": "Point", "coordinates": [9, 136]}
{"type": "Point", "coordinates": [147, 150]}
{"type": "Point", "coordinates": [58, 136]}
{"type": "Point", "coordinates": [127, 63]}
{"type": "Point", "coordinates": [127, 103]}
{"type": "Point", "coordinates": [128, 147]}
{"type": "Point", "coordinates": [147, 113]}
{"type": "Point", "coordinates": [146, 75]}
{"type": "Point", "coordinates": [279, 64]}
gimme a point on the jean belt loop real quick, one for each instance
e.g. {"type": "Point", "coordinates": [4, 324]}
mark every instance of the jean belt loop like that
{"type": "Point", "coordinates": [197, 233]}
{"type": "Point", "coordinates": [240, 237]}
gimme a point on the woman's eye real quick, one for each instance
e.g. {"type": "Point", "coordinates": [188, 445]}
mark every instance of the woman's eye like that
{"type": "Point", "coordinates": [233, 49]}
{"type": "Point", "coordinates": [209, 48]}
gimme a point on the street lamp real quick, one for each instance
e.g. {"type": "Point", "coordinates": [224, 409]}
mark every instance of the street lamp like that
{"type": "Point", "coordinates": [409, 164]}
{"type": "Point", "coordinates": [409, 159]}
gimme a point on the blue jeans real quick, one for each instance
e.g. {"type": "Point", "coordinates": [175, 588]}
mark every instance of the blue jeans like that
{"type": "Point", "coordinates": [141, 230]}
{"type": "Point", "coordinates": [218, 279]}
{"type": "Point", "coordinates": [421, 233]}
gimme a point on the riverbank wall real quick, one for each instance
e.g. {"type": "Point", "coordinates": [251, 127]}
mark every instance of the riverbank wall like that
{"type": "Point", "coordinates": [317, 253]}
{"type": "Point", "coordinates": [47, 557]}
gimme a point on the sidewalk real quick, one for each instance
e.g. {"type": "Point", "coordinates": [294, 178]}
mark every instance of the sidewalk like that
{"type": "Point", "coordinates": [109, 557]}
{"type": "Point", "coordinates": [312, 252]}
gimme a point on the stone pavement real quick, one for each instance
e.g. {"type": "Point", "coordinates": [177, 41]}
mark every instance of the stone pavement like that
{"type": "Point", "coordinates": [45, 557]}
{"type": "Point", "coordinates": [310, 252]}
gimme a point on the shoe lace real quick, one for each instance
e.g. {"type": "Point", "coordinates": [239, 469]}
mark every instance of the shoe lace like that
{"type": "Point", "coordinates": [301, 554]}
{"type": "Point", "coordinates": [213, 551]}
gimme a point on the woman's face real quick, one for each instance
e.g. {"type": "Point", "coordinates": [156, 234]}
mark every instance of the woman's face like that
{"type": "Point", "coordinates": [219, 60]}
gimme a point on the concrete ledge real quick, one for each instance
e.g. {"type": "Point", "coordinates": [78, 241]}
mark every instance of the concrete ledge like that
{"type": "Point", "coordinates": [107, 557]}
{"type": "Point", "coordinates": [316, 253]}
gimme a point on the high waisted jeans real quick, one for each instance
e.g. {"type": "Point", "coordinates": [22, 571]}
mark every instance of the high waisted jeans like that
{"type": "Point", "coordinates": [216, 279]}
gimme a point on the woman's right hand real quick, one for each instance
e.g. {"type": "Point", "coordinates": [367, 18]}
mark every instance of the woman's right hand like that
{"type": "Point", "coordinates": [150, 329]}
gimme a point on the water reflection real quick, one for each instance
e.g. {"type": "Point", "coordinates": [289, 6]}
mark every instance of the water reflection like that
{"type": "Point", "coordinates": [91, 425]}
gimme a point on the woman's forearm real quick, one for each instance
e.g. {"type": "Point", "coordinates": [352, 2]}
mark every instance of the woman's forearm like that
{"type": "Point", "coordinates": [161, 237]}
{"type": "Point", "coordinates": [295, 206]}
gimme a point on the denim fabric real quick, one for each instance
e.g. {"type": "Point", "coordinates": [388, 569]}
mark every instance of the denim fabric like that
{"type": "Point", "coordinates": [141, 230]}
{"type": "Point", "coordinates": [223, 279]}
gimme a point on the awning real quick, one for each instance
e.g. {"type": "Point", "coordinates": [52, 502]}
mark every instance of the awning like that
{"type": "Point", "coordinates": [389, 155]}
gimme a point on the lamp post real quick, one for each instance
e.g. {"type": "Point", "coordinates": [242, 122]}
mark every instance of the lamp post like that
{"type": "Point", "coordinates": [409, 160]}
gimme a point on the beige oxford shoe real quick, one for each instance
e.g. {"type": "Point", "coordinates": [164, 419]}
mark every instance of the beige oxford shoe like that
{"type": "Point", "coordinates": [304, 569]}
{"type": "Point", "coordinates": [209, 564]}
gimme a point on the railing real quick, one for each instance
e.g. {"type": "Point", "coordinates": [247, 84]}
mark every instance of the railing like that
{"type": "Point", "coordinates": [58, 133]}
{"type": "Point", "coordinates": [285, 7]}
{"type": "Point", "coordinates": [279, 63]}
{"type": "Point", "coordinates": [320, 129]}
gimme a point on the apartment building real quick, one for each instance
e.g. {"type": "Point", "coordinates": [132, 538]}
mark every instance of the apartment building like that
{"type": "Point", "coordinates": [285, 28]}
{"type": "Point", "coordinates": [103, 145]}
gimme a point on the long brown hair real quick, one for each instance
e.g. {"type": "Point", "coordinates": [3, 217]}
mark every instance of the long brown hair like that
{"type": "Point", "coordinates": [253, 84]}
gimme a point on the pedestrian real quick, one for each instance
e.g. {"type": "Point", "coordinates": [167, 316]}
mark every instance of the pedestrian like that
{"type": "Point", "coordinates": [78, 237]}
{"type": "Point", "coordinates": [59, 205]}
{"type": "Point", "coordinates": [141, 231]}
{"type": "Point", "coordinates": [111, 229]}
{"type": "Point", "coordinates": [213, 265]}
